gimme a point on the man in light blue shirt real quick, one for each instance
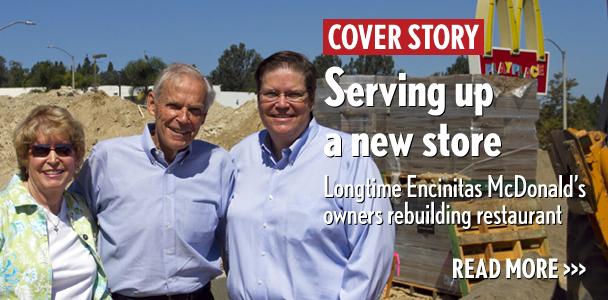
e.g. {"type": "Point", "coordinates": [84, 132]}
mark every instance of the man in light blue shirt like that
{"type": "Point", "coordinates": [160, 198]}
{"type": "Point", "coordinates": [279, 246]}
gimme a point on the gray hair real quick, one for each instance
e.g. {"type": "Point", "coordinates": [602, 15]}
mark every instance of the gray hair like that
{"type": "Point", "coordinates": [176, 70]}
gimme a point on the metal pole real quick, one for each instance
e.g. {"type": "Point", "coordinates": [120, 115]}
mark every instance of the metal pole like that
{"type": "Point", "coordinates": [95, 58]}
{"type": "Point", "coordinates": [26, 22]}
{"type": "Point", "coordinates": [95, 73]}
{"type": "Point", "coordinates": [564, 90]}
{"type": "Point", "coordinates": [73, 83]}
{"type": "Point", "coordinates": [565, 93]}
{"type": "Point", "coordinates": [71, 57]}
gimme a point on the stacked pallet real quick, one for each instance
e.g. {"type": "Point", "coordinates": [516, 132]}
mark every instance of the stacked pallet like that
{"type": "Point", "coordinates": [424, 251]}
{"type": "Point", "coordinates": [512, 116]}
{"type": "Point", "coordinates": [499, 241]}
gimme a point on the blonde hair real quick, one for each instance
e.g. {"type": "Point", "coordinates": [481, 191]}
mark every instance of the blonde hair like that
{"type": "Point", "coordinates": [47, 120]}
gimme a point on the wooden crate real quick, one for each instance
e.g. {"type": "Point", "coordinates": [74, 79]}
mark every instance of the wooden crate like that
{"type": "Point", "coordinates": [422, 292]}
{"type": "Point", "coordinates": [427, 251]}
{"type": "Point", "coordinates": [499, 241]}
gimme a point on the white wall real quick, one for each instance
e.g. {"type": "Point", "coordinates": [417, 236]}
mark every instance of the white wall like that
{"type": "Point", "coordinates": [14, 92]}
{"type": "Point", "coordinates": [226, 98]}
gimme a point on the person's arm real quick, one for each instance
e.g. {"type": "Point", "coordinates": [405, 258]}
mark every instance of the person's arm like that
{"type": "Point", "coordinates": [372, 246]}
{"type": "Point", "coordinates": [88, 180]}
{"type": "Point", "coordinates": [227, 185]}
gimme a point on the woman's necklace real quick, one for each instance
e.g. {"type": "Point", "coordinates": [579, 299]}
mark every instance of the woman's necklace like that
{"type": "Point", "coordinates": [50, 220]}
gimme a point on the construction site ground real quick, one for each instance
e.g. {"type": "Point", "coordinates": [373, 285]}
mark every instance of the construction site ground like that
{"type": "Point", "coordinates": [105, 117]}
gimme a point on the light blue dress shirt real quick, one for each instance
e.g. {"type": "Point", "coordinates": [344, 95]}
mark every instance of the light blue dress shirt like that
{"type": "Point", "coordinates": [279, 246]}
{"type": "Point", "coordinates": [157, 220]}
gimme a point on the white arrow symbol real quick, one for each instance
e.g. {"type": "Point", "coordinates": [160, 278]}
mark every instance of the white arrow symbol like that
{"type": "Point", "coordinates": [567, 269]}
{"type": "Point", "coordinates": [574, 269]}
{"type": "Point", "coordinates": [582, 269]}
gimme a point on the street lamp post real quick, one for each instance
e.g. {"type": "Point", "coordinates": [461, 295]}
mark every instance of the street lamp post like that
{"type": "Point", "coordinates": [564, 78]}
{"type": "Point", "coordinates": [26, 22]}
{"type": "Point", "coordinates": [95, 58]}
{"type": "Point", "coordinates": [71, 56]}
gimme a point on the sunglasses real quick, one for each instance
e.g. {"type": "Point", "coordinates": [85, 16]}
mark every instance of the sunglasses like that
{"type": "Point", "coordinates": [43, 150]}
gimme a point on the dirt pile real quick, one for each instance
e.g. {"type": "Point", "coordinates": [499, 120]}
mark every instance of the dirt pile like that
{"type": "Point", "coordinates": [106, 117]}
{"type": "Point", "coordinates": [226, 126]}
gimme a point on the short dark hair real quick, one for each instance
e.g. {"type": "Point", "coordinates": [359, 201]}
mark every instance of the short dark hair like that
{"type": "Point", "coordinates": [290, 60]}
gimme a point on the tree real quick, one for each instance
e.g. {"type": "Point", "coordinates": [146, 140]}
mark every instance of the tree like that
{"type": "Point", "coordinates": [583, 114]}
{"type": "Point", "coordinates": [17, 74]}
{"type": "Point", "coordinates": [550, 116]}
{"type": "Point", "coordinates": [235, 69]}
{"type": "Point", "coordinates": [47, 74]}
{"type": "Point", "coordinates": [143, 72]}
{"type": "Point", "coordinates": [460, 66]}
{"type": "Point", "coordinates": [371, 65]}
{"type": "Point", "coordinates": [110, 76]}
{"type": "Point", "coordinates": [324, 62]}
{"type": "Point", "coordinates": [86, 68]}
{"type": "Point", "coordinates": [4, 75]}
{"type": "Point", "coordinates": [110, 67]}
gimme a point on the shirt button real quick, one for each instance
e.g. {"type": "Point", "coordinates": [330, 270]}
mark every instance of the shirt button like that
{"type": "Point", "coordinates": [169, 251]}
{"type": "Point", "coordinates": [259, 282]}
{"type": "Point", "coordinates": [168, 225]}
{"type": "Point", "coordinates": [263, 253]}
{"type": "Point", "coordinates": [265, 225]}
{"type": "Point", "coordinates": [270, 197]}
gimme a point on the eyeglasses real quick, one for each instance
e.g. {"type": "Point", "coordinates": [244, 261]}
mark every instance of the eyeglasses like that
{"type": "Point", "coordinates": [43, 150]}
{"type": "Point", "coordinates": [291, 96]}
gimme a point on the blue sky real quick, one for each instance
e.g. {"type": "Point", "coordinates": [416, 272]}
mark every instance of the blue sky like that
{"type": "Point", "coordinates": [197, 32]}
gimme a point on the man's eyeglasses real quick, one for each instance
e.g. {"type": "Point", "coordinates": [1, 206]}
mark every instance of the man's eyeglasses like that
{"type": "Point", "coordinates": [270, 96]}
{"type": "Point", "coordinates": [43, 150]}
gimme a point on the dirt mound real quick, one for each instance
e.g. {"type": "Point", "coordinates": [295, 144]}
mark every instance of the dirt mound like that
{"type": "Point", "coordinates": [106, 117]}
{"type": "Point", "coordinates": [226, 126]}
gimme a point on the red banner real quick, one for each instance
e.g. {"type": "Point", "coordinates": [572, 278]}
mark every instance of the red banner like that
{"type": "Point", "coordinates": [403, 36]}
{"type": "Point", "coordinates": [522, 65]}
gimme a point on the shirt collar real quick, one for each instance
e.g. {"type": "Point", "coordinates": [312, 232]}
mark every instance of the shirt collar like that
{"type": "Point", "coordinates": [290, 153]}
{"type": "Point", "coordinates": [156, 155]}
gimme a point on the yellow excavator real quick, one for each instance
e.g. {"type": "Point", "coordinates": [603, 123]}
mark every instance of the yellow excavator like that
{"type": "Point", "coordinates": [585, 154]}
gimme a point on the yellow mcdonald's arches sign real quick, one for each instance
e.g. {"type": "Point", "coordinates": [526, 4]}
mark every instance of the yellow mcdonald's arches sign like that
{"type": "Point", "coordinates": [508, 59]}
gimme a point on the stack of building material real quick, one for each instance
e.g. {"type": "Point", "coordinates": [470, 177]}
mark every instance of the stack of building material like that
{"type": "Point", "coordinates": [512, 116]}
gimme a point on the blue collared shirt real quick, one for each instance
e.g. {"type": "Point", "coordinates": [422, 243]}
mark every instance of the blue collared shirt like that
{"type": "Point", "coordinates": [279, 246]}
{"type": "Point", "coordinates": [161, 225]}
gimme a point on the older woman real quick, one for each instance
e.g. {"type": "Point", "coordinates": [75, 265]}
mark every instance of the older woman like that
{"type": "Point", "coordinates": [47, 235]}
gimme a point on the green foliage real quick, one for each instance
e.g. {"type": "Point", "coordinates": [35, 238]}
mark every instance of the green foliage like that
{"type": "Point", "coordinates": [110, 76]}
{"type": "Point", "coordinates": [142, 72]}
{"type": "Point", "coordinates": [324, 62]}
{"type": "Point", "coordinates": [86, 68]}
{"type": "Point", "coordinates": [83, 81]}
{"type": "Point", "coordinates": [582, 114]}
{"type": "Point", "coordinates": [4, 75]}
{"type": "Point", "coordinates": [235, 69]}
{"type": "Point", "coordinates": [47, 74]}
{"type": "Point", "coordinates": [17, 74]}
{"type": "Point", "coordinates": [370, 65]}
{"type": "Point", "coordinates": [460, 66]}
